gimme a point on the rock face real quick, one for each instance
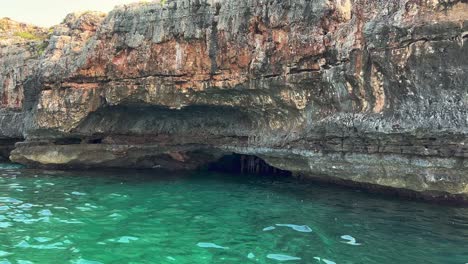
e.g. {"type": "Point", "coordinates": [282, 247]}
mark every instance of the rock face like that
{"type": "Point", "coordinates": [20, 48]}
{"type": "Point", "coordinates": [371, 92]}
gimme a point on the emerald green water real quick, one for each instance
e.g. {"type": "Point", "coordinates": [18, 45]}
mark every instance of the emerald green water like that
{"type": "Point", "coordinates": [160, 217]}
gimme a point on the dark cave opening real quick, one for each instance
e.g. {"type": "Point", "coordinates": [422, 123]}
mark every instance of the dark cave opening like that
{"type": "Point", "coordinates": [6, 146]}
{"type": "Point", "coordinates": [246, 164]}
{"type": "Point", "coordinates": [67, 141]}
{"type": "Point", "coordinates": [78, 140]}
{"type": "Point", "coordinates": [95, 141]}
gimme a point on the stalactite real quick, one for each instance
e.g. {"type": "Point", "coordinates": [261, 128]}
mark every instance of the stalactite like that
{"type": "Point", "coordinates": [246, 164]}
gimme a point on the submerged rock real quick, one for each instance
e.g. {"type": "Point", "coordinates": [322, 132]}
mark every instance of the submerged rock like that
{"type": "Point", "coordinates": [369, 94]}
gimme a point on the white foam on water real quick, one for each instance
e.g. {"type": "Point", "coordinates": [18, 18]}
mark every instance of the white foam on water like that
{"type": "Point", "coordinates": [72, 221]}
{"type": "Point", "coordinates": [19, 261]}
{"type": "Point", "coordinates": [22, 244]}
{"type": "Point", "coordinates": [282, 257]}
{"type": "Point", "coordinates": [170, 258]}
{"type": "Point", "coordinates": [115, 215]}
{"type": "Point", "coordinates": [251, 255]}
{"type": "Point", "coordinates": [81, 208]}
{"type": "Point", "coordinates": [45, 212]}
{"type": "Point", "coordinates": [298, 228]}
{"type": "Point", "coordinates": [9, 200]}
{"type": "Point", "coordinates": [42, 239]}
{"type": "Point", "coordinates": [26, 218]}
{"type": "Point", "coordinates": [5, 224]}
{"type": "Point", "coordinates": [350, 240]}
{"type": "Point", "coordinates": [269, 228]}
{"type": "Point", "coordinates": [4, 253]}
{"type": "Point", "coordinates": [117, 195]}
{"type": "Point", "coordinates": [57, 245]}
{"type": "Point", "coordinates": [325, 260]}
{"type": "Point", "coordinates": [85, 261]}
{"type": "Point", "coordinates": [78, 193]}
{"type": "Point", "coordinates": [126, 239]}
{"type": "Point", "coordinates": [210, 245]}
{"type": "Point", "coordinates": [26, 206]}
{"type": "Point", "coordinates": [25, 244]}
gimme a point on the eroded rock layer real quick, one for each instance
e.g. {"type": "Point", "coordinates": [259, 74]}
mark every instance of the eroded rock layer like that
{"type": "Point", "coordinates": [373, 92]}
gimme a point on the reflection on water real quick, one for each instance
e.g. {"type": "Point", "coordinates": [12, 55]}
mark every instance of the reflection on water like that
{"type": "Point", "coordinates": [157, 217]}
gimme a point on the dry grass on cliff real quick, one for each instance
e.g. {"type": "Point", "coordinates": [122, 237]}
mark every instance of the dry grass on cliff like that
{"type": "Point", "coordinates": [14, 32]}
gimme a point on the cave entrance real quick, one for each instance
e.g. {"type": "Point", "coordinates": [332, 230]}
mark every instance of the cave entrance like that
{"type": "Point", "coordinates": [6, 146]}
{"type": "Point", "coordinates": [246, 164]}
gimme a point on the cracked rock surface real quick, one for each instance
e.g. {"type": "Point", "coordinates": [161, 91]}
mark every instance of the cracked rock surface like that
{"type": "Point", "coordinates": [372, 92]}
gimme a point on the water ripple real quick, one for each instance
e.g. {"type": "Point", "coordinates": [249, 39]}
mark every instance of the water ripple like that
{"type": "Point", "coordinates": [210, 245]}
{"type": "Point", "coordinates": [282, 257]}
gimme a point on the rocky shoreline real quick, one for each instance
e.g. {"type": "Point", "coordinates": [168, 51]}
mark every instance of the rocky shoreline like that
{"type": "Point", "coordinates": [373, 93]}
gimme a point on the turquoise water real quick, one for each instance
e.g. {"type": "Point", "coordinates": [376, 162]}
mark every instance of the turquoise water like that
{"type": "Point", "coordinates": [160, 217]}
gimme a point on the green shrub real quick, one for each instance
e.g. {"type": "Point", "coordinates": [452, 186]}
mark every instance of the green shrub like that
{"type": "Point", "coordinates": [28, 35]}
{"type": "Point", "coordinates": [41, 48]}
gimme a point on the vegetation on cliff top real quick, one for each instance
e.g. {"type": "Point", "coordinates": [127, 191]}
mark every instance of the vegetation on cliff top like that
{"type": "Point", "coordinates": [29, 35]}
{"type": "Point", "coordinates": [10, 29]}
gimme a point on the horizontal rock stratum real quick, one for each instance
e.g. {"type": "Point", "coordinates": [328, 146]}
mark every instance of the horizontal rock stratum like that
{"type": "Point", "coordinates": [368, 92]}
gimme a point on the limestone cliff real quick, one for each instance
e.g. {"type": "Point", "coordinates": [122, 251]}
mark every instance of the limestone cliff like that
{"type": "Point", "coordinates": [373, 92]}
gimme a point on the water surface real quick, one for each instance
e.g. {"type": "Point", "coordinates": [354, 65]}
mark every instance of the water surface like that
{"type": "Point", "coordinates": [162, 217]}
